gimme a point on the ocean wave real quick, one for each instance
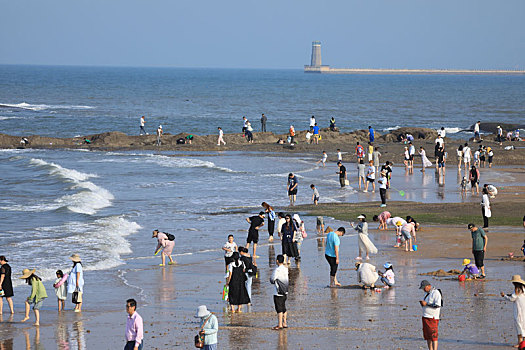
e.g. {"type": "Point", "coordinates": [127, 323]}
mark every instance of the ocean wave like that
{"type": "Point", "coordinates": [100, 244]}
{"type": "Point", "coordinates": [88, 199]}
{"type": "Point", "coordinates": [391, 128]}
{"type": "Point", "coordinates": [452, 130]}
{"type": "Point", "coordinates": [41, 107]}
{"type": "Point", "coordinates": [168, 161]}
{"type": "Point", "coordinates": [3, 117]}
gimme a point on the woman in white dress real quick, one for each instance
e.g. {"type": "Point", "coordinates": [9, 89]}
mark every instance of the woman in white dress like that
{"type": "Point", "coordinates": [365, 244]}
{"type": "Point", "coordinates": [485, 207]}
{"type": "Point", "coordinates": [518, 298]}
{"type": "Point", "coordinates": [424, 160]}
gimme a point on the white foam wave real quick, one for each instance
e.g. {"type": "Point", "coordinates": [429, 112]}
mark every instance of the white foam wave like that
{"type": "Point", "coordinates": [3, 117]}
{"type": "Point", "coordinates": [88, 200]}
{"type": "Point", "coordinates": [41, 107]}
{"type": "Point", "coordinates": [452, 130]}
{"type": "Point", "coordinates": [167, 161]}
{"type": "Point", "coordinates": [392, 128]}
{"type": "Point", "coordinates": [99, 243]}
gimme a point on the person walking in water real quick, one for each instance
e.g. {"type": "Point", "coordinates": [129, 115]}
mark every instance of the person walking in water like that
{"type": "Point", "coordinates": [6, 285]}
{"type": "Point", "coordinates": [220, 139]}
{"type": "Point", "coordinates": [292, 188]}
{"type": "Point", "coordinates": [159, 135]}
{"type": "Point", "coordinates": [142, 122]}
{"type": "Point", "coordinates": [38, 294]}
{"type": "Point", "coordinates": [263, 123]}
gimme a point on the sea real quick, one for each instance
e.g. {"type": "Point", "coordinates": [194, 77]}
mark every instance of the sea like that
{"type": "Point", "coordinates": [104, 205]}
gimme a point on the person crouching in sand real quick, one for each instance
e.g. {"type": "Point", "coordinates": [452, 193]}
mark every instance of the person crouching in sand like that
{"type": "Point", "coordinates": [38, 294]}
{"type": "Point", "coordinates": [165, 244]}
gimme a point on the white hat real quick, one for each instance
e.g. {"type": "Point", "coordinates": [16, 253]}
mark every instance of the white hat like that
{"type": "Point", "coordinates": [202, 311]}
{"type": "Point", "coordinates": [297, 218]}
{"type": "Point", "coordinates": [361, 217]}
{"type": "Point", "coordinates": [160, 126]}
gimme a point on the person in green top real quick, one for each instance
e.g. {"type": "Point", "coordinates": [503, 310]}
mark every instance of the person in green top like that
{"type": "Point", "coordinates": [479, 246]}
{"type": "Point", "coordinates": [38, 294]}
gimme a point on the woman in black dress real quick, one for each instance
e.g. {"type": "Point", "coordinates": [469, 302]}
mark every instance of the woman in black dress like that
{"type": "Point", "coordinates": [237, 294]}
{"type": "Point", "coordinates": [6, 285]}
{"type": "Point", "coordinates": [289, 246]}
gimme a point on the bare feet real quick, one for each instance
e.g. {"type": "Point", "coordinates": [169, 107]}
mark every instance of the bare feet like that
{"type": "Point", "coordinates": [25, 319]}
{"type": "Point", "coordinates": [36, 324]}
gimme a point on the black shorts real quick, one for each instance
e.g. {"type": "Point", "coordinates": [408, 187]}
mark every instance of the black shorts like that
{"type": "Point", "coordinates": [370, 180]}
{"type": "Point", "coordinates": [228, 260]}
{"type": "Point", "coordinates": [280, 303]}
{"type": "Point", "coordinates": [473, 183]}
{"type": "Point", "coordinates": [292, 192]}
{"type": "Point", "coordinates": [490, 159]}
{"type": "Point", "coordinates": [479, 255]}
{"type": "Point", "coordinates": [411, 157]}
{"type": "Point", "coordinates": [253, 236]}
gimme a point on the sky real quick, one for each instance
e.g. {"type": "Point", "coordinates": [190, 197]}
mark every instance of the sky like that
{"type": "Point", "coordinates": [465, 34]}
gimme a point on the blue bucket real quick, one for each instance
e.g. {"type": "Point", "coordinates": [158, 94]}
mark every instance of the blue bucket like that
{"type": "Point", "coordinates": [414, 247]}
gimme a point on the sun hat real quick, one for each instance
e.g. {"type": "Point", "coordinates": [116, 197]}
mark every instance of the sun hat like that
{"type": "Point", "coordinates": [75, 258]}
{"type": "Point", "coordinates": [297, 218]}
{"type": "Point", "coordinates": [202, 311]}
{"type": "Point", "coordinates": [362, 216]}
{"type": "Point", "coordinates": [423, 284]}
{"type": "Point", "coordinates": [466, 262]}
{"type": "Point", "coordinates": [26, 273]}
{"type": "Point", "coordinates": [160, 126]}
{"type": "Point", "coordinates": [387, 265]}
{"type": "Point", "coordinates": [399, 223]}
{"type": "Point", "coordinates": [517, 279]}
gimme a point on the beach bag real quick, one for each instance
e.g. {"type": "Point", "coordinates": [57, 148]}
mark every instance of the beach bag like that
{"type": "Point", "coordinates": [170, 236]}
{"type": "Point", "coordinates": [76, 297]}
{"type": "Point", "coordinates": [199, 339]}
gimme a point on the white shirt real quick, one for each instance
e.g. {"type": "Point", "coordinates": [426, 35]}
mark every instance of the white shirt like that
{"type": "Point", "coordinates": [412, 150]}
{"type": "Point", "coordinates": [440, 141]}
{"type": "Point", "coordinates": [312, 121]}
{"type": "Point", "coordinates": [476, 127]}
{"type": "Point", "coordinates": [382, 182]}
{"type": "Point", "coordinates": [371, 172]}
{"type": "Point", "coordinates": [221, 132]}
{"type": "Point", "coordinates": [325, 157]}
{"type": "Point", "coordinates": [442, 133]}
{"type": "Point", "coordinates": [467, 153]}
{"type": "Point", "coordinates": [432, 298]}
{"type": "Point", "coordinates": [142, 121]}
{"type": "Point", "coordinates": [392, 221]}
{"type": "Point", "coordinates": [339, 156]}
{"type": "Point", "coordinates": [280, 224]}
{"type": "Point", "coordinates": [281, 274]}
{"type": "Point", "coordinates": [232, 246]}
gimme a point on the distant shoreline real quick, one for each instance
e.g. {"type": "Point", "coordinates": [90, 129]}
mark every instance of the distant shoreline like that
{"type": "Point", "coordinates": [328, 70]}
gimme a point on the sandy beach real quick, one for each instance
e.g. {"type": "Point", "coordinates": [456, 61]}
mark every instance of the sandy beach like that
{"type": "Point", "coordinates": [474, 316]}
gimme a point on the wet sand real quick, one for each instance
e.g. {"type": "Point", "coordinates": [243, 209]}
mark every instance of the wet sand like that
{"type": "Point", "coordinates": [474, 316]}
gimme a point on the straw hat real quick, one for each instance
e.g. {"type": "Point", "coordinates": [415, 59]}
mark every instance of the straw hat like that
{"type": "Point", "coordinates": [26, 273]}
{"type": "Point", "coordinates": [517, 279]}
{"type": "Point", "coordinates": [466, 262]}
{"type": "Point", "coordinates": [202, 311]}
{"type": "Point", "coordinates": [75, 258]}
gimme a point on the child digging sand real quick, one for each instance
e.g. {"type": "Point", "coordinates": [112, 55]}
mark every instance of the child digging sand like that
{"type": "Point", "coordinates": [388, 277]}
{"type": "Point", "coordinates": [470, 270]}
{"type": "Point", "coordinates": [60, 289]}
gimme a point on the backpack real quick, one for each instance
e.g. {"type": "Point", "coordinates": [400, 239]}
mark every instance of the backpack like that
{"type": "Point", "coordinates": [439, 290]}
{"type": "Point", "coordinates": [170, 236]}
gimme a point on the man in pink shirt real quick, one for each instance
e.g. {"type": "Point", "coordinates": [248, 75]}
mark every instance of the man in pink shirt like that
{"type": "Point", "coordinates": [134, 327]}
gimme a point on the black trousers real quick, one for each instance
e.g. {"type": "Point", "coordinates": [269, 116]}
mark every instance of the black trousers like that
{"type": "Point", "coordinates": [271, 227]}
{"type": "Point", "coordinates": [333, 266]}
{"type": "Point", "coordinates": [342, 181]}
{"type": "Point", "coordinates": [485, 219]}
{"type": "Point", "coordinates": [382, 193]}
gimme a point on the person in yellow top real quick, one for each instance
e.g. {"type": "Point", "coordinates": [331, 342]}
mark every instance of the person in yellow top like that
{"type": "Point", "coordinates": [38, 294]}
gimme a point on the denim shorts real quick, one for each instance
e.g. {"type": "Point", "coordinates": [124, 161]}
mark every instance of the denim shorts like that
{"type": "Point", "coordinates": [37, 305]}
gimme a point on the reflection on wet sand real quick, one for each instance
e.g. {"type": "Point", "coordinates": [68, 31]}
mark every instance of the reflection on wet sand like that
{"type": "Point", "coordinates": [166, 285]}
{"type": "Point", "coordinates": [283, 340]}
{"type": "Point", "coordinates": [6, 344]}
{"type": "Point", "coordinates": [334, 309]}
{"type": "Point", "coordinates": [36, 340]}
